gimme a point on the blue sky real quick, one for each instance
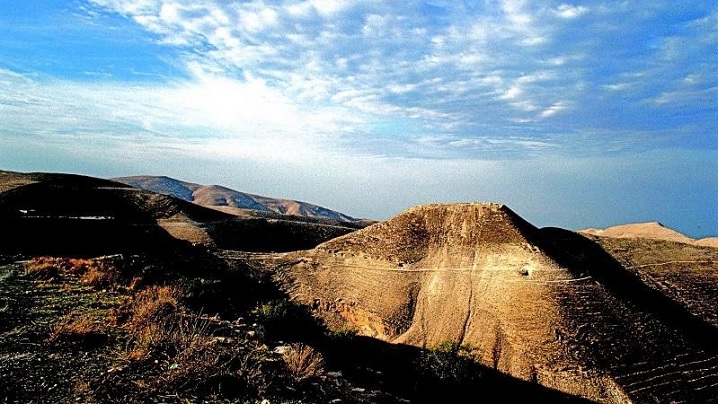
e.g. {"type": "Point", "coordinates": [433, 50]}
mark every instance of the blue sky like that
{"type": "Point", "coordinates": [574, 114]}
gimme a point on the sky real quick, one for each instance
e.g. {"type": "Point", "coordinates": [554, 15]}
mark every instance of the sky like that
{"type": "Point", "coordinates": [574, 114]}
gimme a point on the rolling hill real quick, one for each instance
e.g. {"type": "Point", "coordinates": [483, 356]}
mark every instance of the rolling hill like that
{"type": "Point", "coordinates": [72, 214]}
{"type": "Point", "coordinates": [649, 230]}
{"type": "Point", "coordinates": [231, 201]}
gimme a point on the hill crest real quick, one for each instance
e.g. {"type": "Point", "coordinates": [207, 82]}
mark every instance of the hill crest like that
{"type": "Point", "coordinates": [232, 201]}
{"type": "Point", "coordinates": [411, 235]}
{"type": "Point", "coordinates": [649, 230]}
{"type": "Point", "coordinates": [538, 304]}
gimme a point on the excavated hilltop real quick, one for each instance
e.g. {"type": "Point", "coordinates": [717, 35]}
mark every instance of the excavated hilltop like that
{"type": "Point", "coordinates": [543, 305]}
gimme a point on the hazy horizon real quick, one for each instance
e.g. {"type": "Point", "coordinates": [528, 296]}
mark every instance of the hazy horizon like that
{"type": "Point", "coordinates": [573, 114]}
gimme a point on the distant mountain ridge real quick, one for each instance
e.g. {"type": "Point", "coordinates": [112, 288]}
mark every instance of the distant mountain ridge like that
{"type": "Point", "coordinates": [231, 201]}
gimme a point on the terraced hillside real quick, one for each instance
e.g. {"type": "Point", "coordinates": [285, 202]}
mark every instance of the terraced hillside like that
{"type": "Point", "coordinates": [688, 273]}
{"type": "Point", "coordinates": [548, 306]}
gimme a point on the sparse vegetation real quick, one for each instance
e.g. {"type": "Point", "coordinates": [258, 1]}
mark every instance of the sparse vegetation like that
{"type": "Point", "coordinates": [448, 363]}
{"type": "Point", "coordinates": [149, 316]}
{"type": "Point", "coordinates": [303, 362]}
{"type": "Point", "coordinates": [96, 273]}
{"type": "Point", "coordinates": [142, 341]}
{"type": "Point", "coordinates": [78, 327]}
{"type": "Point", "coordinates": [345, 332]}
{"type": "Point", "coordinates": [283, 320]}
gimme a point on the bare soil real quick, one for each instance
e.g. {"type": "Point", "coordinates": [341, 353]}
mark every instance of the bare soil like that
{"type": "Point", "coordinates": [613, 320]}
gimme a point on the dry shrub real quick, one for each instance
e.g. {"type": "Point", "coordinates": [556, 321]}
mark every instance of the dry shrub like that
{"type": "Point", "coordinates": [135, 283]}
{"type": "Point", "coordinates": [91, 272]}
{"type": "Point", "coordinates": [44, 268]}
{"type": "Point", "coordinates": [303, 362]}
{"type": "Point", "coordinates": [77, 327]}
{"type": "Point", "coordinates": [83, 389]}
{"type": "Point", "coordinates": [151, 304]}
{"type": "Point", "coordinates": [77, 266]}
{"type": "Point", "coordinates": [232, 368]}
{"type": "Point", "coordinates": [177, 352]}
{"type": "Point", "coordinates": [152, 318]}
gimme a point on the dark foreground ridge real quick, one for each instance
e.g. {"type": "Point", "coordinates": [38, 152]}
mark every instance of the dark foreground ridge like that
{"type": "Point", "coordinates": [77, 215]}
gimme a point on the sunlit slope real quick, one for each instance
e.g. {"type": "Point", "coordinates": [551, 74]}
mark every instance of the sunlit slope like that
{"type": "Point", "coordinates": [546, 305]}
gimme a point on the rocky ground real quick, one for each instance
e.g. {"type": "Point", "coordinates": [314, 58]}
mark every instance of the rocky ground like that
{"type": "Point", "coordinates": [149, 329]}
{"type": "Point", "coordinates": [65, 337]}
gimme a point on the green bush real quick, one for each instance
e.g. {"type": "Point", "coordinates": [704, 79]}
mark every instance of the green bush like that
{"type": "Point", "coordinates": [448, 363]}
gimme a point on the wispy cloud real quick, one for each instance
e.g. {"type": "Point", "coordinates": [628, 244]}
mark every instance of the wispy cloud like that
{"type": "Point", "coordinates": [211, 117]}
{"type": "Point", "coordinates": [342, 70]}
{"type": "Point", "coordinates": [445, 87]}
{"type": "Point", "coordinates": [381, 59]}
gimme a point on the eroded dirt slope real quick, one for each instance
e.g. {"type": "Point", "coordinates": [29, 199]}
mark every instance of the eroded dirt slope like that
{"type": "Point", "coordinates": [548, 306]}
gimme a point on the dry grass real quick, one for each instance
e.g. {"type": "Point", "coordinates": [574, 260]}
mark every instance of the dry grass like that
{"type": "Point", "coordinates": [76, 326]}
{"type": "Point", "coordinates": [83, 389]}
{"type": "Point", "coordinates": [100, 275]}
{"type": "Point", "coordinates": [153, 303]}
{"type": "Point", "coordinates": [151, 318]}
{"type": "Point", "coordinates": [303, 362]}
{"type": "Point", "coordinates": [43, 268]}
{"type": "Point", "coordinates": [181, 346]}
{"type": "Point", "coordinates": [95, 273]}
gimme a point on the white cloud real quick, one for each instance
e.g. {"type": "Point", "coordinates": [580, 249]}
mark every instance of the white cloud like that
{"type": "Point", "coordinates": [569, 12]}
{"type": "Point", "coordinates": [328, 8]}
{"type": "Point", "coordinates": [344, 69]}
{"type": "Point", "coordinates": [211, 116]}
{"type": "Point", "coordinates": [512, 93]}
{"type": "Point", "coordinates": [328, 60]}
{"type": "Point", "coordinates": [261, 19]}
{"type": "Point", "coordinates": [617, 86]}
{"type": "Point", "coordinates": [553, 110]}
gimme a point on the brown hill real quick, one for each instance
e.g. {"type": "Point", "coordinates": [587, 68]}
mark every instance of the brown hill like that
{"type": "Point", "coordinates": [235, 202]}
{"type": "Point", "coordinates": [651, 230]}
{"type": "Point", "coordinates": [708, 242]}
{"type": "Point", "coordinates": [52, 213]}
{"type": "Point", "coordinates": [547, 306]}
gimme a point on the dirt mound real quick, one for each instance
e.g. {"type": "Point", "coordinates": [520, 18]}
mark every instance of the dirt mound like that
{"type": "Point", "coordinates": [547, 306]}
{"type": "Point", "coordinates": [651, 230]}
{"type": "Point", "coordinates": [708, 242]}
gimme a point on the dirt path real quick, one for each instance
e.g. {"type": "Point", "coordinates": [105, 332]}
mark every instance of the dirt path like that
{"type": "Point", "coordinates": [674, 262]}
